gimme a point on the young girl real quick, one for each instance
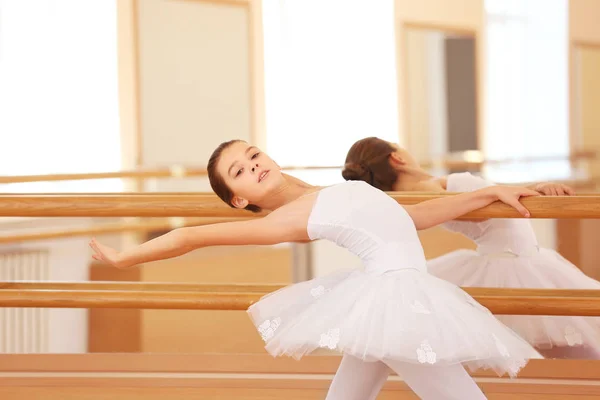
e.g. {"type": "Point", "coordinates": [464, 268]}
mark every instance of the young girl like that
{"type": "Point", "coordinates": [393, 314]}
{"type": "Point", "coordinates": [507, 254]}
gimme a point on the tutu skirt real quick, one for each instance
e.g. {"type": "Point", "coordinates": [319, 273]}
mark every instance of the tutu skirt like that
{"type": "Point", "coordinates": [544, 270]}
{"type": "Point", "coordinates": [402, 315]}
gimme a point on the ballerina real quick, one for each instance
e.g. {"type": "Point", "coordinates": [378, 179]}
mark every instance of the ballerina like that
{"type": "Point", "coordinates": [391, 315]}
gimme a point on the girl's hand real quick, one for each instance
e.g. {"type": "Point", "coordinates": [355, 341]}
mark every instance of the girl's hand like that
{"type": "Point", "coordinates": [553, 189]}
{"type": "Point", "coordinates": [106, 254]}
{"type": "Point", "coordinates": [511, 194]}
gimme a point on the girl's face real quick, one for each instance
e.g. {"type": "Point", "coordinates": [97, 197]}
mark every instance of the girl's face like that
{"type": "Point", "coordinates": [250, 174]}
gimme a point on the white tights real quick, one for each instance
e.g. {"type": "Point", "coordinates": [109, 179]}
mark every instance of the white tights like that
{"type": "Point", "coordinates": [360, 380]}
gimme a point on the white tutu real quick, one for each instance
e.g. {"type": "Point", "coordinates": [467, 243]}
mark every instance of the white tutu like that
{"type": "Point", "coordinates": [403, 315]}
{"type": "Point", "coordinates": [544, 270]}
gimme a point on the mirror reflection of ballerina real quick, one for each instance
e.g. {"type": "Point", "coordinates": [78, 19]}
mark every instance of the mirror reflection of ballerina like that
{"type": "Point", "coordinates": [391, 315]}
{"type": "Point", "coordinates": [507, 256]}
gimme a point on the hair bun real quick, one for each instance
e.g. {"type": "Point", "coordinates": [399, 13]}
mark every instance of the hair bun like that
{"type": "Point", "coordinates": [356, 172]}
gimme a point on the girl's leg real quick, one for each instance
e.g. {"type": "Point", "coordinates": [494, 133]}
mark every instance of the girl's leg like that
{"type": "Point", "coordinates": [358, 380]}
{"type": "Point", "coordinates": [438, 383]}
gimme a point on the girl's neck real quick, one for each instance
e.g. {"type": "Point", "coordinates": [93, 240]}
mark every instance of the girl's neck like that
{"type": "Point", "coordinates": [290, 190]}
{"type": "Point", "coordinates": [415, 179]}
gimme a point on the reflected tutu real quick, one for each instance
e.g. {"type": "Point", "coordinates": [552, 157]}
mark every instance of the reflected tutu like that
{"type": "Point", "coordinates": [545, 270]}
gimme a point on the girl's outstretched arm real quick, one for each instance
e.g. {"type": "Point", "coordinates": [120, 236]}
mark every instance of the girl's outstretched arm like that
{"type": "Point", "coordinates": [277, 227]}
{"type": "Point", "coordinates": [434, 212]}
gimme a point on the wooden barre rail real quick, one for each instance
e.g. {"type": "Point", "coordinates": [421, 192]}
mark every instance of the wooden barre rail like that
{"type": "Point", "coordinates": [209, 195]}
{"type": "Point", "coordinates": [136, 226]}
{"type": "Point", "coordinates": [110, 228]}
{"type": "Point", "coordinates": [498, 301]}
{"type": "Point", "coordinates": [255, 288]}
{"type": "Point", "coordinates": [464, 161]}
{"type": "Point", "coordinates": [209, 205]}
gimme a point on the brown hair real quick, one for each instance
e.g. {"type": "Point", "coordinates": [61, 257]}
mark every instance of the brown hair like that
{"type": "Point", "coordinates": [368, 161]}
{"type": "Point", "coordinates": [217, 183]}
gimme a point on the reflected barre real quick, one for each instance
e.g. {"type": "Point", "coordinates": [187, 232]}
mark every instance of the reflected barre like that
{"type": "Point", "coordinates": [110, 228]}
{"type": "Point", "coordinates": [463, 160]}
{"type": "Point", "coordinates": [142, 173]}
{"type": "Point", "coordinates": [139, 286]}
{"type": "Point", "coordinates": [177, 296]}
{"type": "Point", "coordinates": [209, 205]}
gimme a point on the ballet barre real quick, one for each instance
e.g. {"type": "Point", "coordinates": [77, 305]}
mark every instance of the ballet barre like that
{"type": "Point", "coordinates": [209, 205]}
{"type": "Point", "coordinates": [175, 296]}
{"type": "Point", "coordinates": [463, 160]}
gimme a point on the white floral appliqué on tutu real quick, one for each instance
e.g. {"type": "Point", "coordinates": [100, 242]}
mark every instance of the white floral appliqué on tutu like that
{"type": "Point", "coordinates": [319, 291]}
{"type": "Point", "coordinates": [425, 353]}
{"type": "Point", "coordinates": [330, 339]}
{"type": "Point", "coordinates": [267, 328]}
{"type": "Point", "coordinates": [573, 336]}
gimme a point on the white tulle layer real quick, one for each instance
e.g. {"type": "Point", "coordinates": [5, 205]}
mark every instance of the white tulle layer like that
{"type": "Point", "coordinates": [404, 315]}
{"type": "Point", "coordinates": [547, 269]}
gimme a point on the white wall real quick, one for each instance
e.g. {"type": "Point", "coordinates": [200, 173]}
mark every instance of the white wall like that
{"type": "Point", "coordinates": [68, 260]}
{"type": "Point", "coordinates": [194, 83]}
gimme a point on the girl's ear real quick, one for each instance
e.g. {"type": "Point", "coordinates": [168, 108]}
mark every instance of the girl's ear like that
{"type": "Point", "coordinates": [396, 160]}
{"type": "Point", "coordinates": [239, 202]}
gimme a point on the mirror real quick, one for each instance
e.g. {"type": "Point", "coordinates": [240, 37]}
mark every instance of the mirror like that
{"type": "Point", "coordinates": [586, 98]}
{"type": "Point", "coordinates": [585, 126]}
{"type": "Point", "coordinates": [440, 92]}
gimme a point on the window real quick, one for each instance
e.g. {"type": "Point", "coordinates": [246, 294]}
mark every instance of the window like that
{"type": "Point", "coordinates": [527, 88]}
{"type": "Point", "coordinates": [59, 92]}
{"type": "Point", "coordinates": [330, 78]}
